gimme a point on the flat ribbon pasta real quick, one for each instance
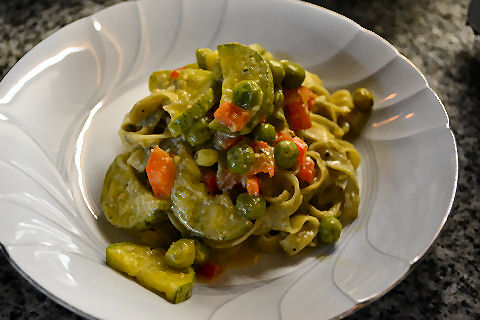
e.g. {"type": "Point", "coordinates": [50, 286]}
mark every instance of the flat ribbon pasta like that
{"type": "Point", "coordinates": [303, 230]}
{"type": "Point", "coordinates": [277, 215]}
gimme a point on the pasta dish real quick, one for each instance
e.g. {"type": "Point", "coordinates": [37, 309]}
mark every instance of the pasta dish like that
{"type": "Point", "coordinates": [236, 149]}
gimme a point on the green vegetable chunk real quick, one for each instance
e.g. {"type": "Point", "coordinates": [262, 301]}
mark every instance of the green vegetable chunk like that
{"type": "Point", "coordinates": [278, 71]}
{"type": "Point", "coordinates": [265, 132]}
{"type": "Point", "coordinates": [286, 154]}
{"type": "Point", "coordinates": [138, 159]}
{"type": "Point", "coordinates": [194, 82]}
{"type": "Point", "coordinates": [240, 63]}
{"type": "Point", "coordinates": [330, 228]}
{"type": "Point", "coordinates": [294, 75]}
{"type": "Point", "coordinates": [252, 207]}
{"type": "Point", "coordinates": [217, 70]}
{"type": "Point", "coordinates": [257, 47]}
{"type": "Point", "coordinates": [199, 133]}
{"type": "Point", "coordinates": [204, 102]}
{"type": "Point", "coordinates": [181, 254]}
{"type": "Point", "coordinates": [206, 58]}
{"type": "Point", "coordinates": [150, 269]}
{"type": "Point", "coordinates": [260, 49]}
{"type": "Point", "coordinates": [146, 113]}
{"type": "Point", "coordinates": [239, 158]}
{"type": "Point", "coordinates": [363, 99]}
{"type": "Point", "coordinates": [201, 253]}
{"type": "Point", "coordinates": [125, 201]}
{"type": "Point", "coordinates": [277, 118]}
{"type": "Point", "coordinates": [246, 94]}
{"type": "Point", "coordinates": [214, 218]}
{"type": "Point", "coordinates": [160, 80]}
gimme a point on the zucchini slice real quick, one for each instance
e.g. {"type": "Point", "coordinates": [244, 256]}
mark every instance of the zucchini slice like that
{"type": "Point", "coordinates": [125, 201]}
{"type": "Point", "coordinates": [239, 63]}
{"type": "Point", "coordinates": [147, 265]}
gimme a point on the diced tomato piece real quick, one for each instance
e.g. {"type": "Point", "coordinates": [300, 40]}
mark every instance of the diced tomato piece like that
{"type": "Point", "coordinates": [263, 119]}
{"type": "Point", "coordinates": [210, 180]}
{"type": "Point", "coordinates": [302, 149]}
{"type": "Point", "coordinates": [160, 172]}
{"type": "Point", "coordinates": [209, 270]}
{"type": "Point", "coordinates": [296, 109]}
{"type": "Point", "coordinates": [253, 188]}
{"type": "Point", "coordinates": [176, 72]}
{"type": "Point", "coordinates": [307, 171]}
{"type": "Point", "coordinates": [232, 116]}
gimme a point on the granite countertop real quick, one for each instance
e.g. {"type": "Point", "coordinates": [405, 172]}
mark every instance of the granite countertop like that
{"type": "Point", "coordinates": [433, 35]}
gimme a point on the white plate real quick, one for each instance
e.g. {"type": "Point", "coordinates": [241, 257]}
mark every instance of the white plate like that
{"type": "Point", "coordinates": [61, 106]}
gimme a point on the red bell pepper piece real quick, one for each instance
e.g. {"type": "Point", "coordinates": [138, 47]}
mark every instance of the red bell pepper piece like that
{"type": "Point", "coordinates": [302, 149]}
{"type": "Point", "coordinates": [307, 171]}
{"type": "Point", "coordinates": [209, 270]}
{"type": "Point", "coordinates": [282, 135]}
{"type": "Point", "coordinates": [160, 172]}
{"type": "Point", "coordinates": [226, 179]}
{"type": "Point", "coordinates": [252, 186]}
{"type": "Point", "coordinates": [257, 145]}
{"type": "Point", "coordinates": [232, 116]}
{"type": "Point", "coordinates": [302, 145]}
{"type": "Point", "coordinates": [296, 109]}
{"type": "Point", "coordinates": [210, 180]}
{"type": "Point", "coordinates": [308, 96]}
{"type": "Point", "coordinates": [176, 72]}
{"type": "Point", "coordinates": [264, 161]}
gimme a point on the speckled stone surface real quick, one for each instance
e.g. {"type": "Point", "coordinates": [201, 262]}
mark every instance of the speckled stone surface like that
{"type": "Point", "coordinates": [433, 35]}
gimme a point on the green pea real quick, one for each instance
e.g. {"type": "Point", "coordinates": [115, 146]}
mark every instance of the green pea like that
{"type": "Point", "coordinates": [239, 158]}
{"type": "Point", "coordinates": [277, 71]}
{"type": "Point", "coordinates": [246, 94]}
{"type": "Point", "coordinates": [330, 228]}
{"type": "Point", "coordinates": [201, 55]}
{"type": "Point", "coordinates": [199, 133]}
{"type": "Point", "coordinates": [265, 132]}
{"type": "Point", "coordinates": [363, 99]}
{"type": "Point", "coordinates": [278, 119]}
{"type": "Point", "coordinates": [286, 154]}
{"type": "Point", "coordinates": [252, 207]}
{"type": "Point", "coordinates": [294, 75]}
{"type": "Point", "coordinates": [206, 157]}
{"type": "Point", "coordinates": [181, 254]}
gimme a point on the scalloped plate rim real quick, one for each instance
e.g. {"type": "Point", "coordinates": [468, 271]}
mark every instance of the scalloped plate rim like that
{"type": "Point", "coordinates": [13, 70]}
